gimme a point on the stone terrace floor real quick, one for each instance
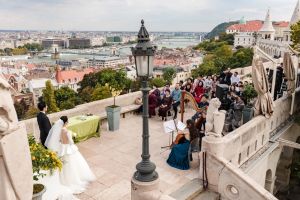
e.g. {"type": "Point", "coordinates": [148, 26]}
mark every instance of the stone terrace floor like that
{"type": "Point", "coordinates": [113, 157]}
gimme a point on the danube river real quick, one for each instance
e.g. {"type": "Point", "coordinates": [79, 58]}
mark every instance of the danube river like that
{"type": "Point", "coordinates": [102, 52]}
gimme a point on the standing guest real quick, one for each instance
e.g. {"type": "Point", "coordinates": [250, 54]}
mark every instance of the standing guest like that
{"type": "Point", "coordinates": [176, 97]}
{"type": "Point", "coordinates": [199, 91]}
{"type": "Point", "coordinates": [235, 78]}
{"type": "Point", "coordinates": [228, 77]}
{"type": "Point", "coordinates": [43, 122]}
{"type": "Point", "coordinates": [208, 85]}
{"type": "Point", "coordinates": [214, 84]}
{"type": "Point", "coordinates": [222, 77]}
{"type": "Point", "coordinates": [165, 105]}
{"type": "Point", "coordinates": [152, 104]}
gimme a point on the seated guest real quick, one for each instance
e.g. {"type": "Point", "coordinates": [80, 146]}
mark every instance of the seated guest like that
{"type": "Point", "coordinates": [188, 86]}
{"type": "Point", "coordinates": [179, 157]}
{"type": "Point", "coordinates": [157, 94]}
{"type": "Point", "coordinates": [165, 105]}
{"type": "Point", "coordinates": [152, 104]}
{"type": "Point", "coordinates": [139, 101]}
{"type": "Point", "coordinates": [199, 91]}
{"type": "Point", "coordinates": [238, 106]}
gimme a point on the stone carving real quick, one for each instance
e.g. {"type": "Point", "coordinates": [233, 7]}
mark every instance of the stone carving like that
{"type": "Point", "coordinates": [8, 115]}
{"type": "Point", "coordinates": [214, 119]}
{"type": "Point", "coordinates": [15, 184]}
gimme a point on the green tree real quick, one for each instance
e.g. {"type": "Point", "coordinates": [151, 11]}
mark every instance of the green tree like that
{"type": "Point", "coordinates": [101, 92]}
{"type": "Point", "coordinates": [115, 79]}
{"type": "Point", "coordinates": [31, 112]}
{"type": "Point", "coordinates": [49, 97]}
{"type": "Point", "coordinates": [229, 38]}
{"type": "Point", "coordinates": [21, 108]}
{"type": "Point", "coordinates": [85, 94]}
{"type": "Point", "coordinates": [157, 82]}
{"type": "Point", "coordinates": [33, 47]}
{"type": "Point", "coordinates": [295, 35]}
{"type": "Point", "coordinates": [169, 74]}
{"type": "Point", "coordinates": [65, 98]}
{"type": "Point", "coordinates": [89, 80]}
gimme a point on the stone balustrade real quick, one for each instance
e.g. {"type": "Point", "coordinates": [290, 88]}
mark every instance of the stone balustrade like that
{"type": "Point", "coordinates": [252, 136]}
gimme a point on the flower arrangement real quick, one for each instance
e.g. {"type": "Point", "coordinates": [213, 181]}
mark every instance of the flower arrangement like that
{"type": "Point", "coordinates": [42, 159]}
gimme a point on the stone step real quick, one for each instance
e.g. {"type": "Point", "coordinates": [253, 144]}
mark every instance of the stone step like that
{"type": "Point", "coordinates": [188, 191]}
{"type": "Point", "coordinates": [207, 195]}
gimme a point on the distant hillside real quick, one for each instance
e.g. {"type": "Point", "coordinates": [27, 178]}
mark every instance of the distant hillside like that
{"type": "Point", "coordinates": [219, 29]}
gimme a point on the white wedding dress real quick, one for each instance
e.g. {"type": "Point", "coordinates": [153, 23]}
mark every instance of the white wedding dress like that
{"type": "Point", "coordinates": [75, 173]}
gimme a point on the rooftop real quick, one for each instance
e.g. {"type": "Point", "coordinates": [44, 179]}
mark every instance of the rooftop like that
{"type": "Point", "coordinates": [113, 157]}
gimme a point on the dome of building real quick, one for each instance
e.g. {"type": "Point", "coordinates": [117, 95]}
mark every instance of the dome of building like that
{"type": "Point", "coordinates": [242, 20]}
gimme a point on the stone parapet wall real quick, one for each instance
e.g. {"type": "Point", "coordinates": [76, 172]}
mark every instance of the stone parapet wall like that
{"type": "Point", "coordinates": [95, 108]}
{"type": "Point", "coordinates": [252, 136]}
{"type": "Point", "coordinates": [231, 182]}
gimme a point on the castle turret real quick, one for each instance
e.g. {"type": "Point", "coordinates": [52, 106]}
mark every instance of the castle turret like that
{"type": "Point", "coordinates": [295, 18]}
{"type": "Point", "coordinates": [267, 31]}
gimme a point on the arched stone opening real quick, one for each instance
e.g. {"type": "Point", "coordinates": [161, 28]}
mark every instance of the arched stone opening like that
{"type": "Point", "coordinates": [286, 186]}
{"type": "Point", "coordinates": [268, 180]}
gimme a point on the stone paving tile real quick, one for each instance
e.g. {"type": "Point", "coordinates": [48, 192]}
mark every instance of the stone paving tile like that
{"type": "Point", "coordinates": [83, 196]}
{"type": "Point", "coordinates": [113, 157]}
{"type": "Point", "coordinates": [115, 192]}
{"type": "Point", "coordinates": [95, 188]}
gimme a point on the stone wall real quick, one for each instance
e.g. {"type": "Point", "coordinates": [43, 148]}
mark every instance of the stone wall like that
{"type": "Point", "coordinates": [96, 108]}
{"type": "Point", "coordinates": [239, 146]}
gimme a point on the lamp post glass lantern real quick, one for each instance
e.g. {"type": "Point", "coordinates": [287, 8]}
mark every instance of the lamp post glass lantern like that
{"type": "Point", "coordinates": [143, 54]}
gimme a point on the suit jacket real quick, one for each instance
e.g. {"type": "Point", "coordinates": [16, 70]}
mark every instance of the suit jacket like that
{"type": "Point", "coordinates": [44, 125]}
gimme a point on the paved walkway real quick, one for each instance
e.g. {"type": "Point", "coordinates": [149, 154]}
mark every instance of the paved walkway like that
{"type": "Point", "coordinates": [114, 155]}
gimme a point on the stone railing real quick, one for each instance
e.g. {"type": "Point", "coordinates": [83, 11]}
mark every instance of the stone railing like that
{"type": "Point", "coordinates": [230, 181]}
{"type": "Point", "coordinates": [252, 136]}
{"type": "Point", "coordinates": [96, 108]}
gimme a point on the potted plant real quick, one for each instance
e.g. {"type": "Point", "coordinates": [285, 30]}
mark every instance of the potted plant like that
{"type": "Point", "coordinates": [249, 94]}
{"type": "Point", "coordinates": [42, 160]}
{"type": "Point", "coordinates": [113, 111]}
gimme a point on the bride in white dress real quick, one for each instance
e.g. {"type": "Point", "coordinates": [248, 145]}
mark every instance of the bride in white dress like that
{"type": "Point", "coordinates": [76, 173]}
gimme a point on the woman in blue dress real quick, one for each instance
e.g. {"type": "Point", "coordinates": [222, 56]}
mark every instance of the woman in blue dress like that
{"type": "Point", "coordinates": [179, 157]}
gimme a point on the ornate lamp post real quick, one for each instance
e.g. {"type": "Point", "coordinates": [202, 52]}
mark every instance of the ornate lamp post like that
{"type": "Point", "coordinates": [143, 54]}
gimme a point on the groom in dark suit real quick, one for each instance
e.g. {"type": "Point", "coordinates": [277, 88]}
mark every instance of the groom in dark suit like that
{"type": "Point", "coordinates": [43, 121]}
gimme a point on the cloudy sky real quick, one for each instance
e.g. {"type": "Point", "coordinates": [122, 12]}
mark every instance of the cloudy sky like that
{"type": "Point", "coordinates": [125, 15]}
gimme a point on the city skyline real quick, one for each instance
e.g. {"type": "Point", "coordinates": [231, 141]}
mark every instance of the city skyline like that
{"type": "Point", "coordinates": [125, 15]}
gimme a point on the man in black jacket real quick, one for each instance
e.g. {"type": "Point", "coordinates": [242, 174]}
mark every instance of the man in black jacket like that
{"type": "Point", "coordinates": [43, 121]}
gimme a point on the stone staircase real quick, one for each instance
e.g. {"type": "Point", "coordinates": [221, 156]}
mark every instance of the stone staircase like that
{"type": "Point", "coordinates": [193, 190]}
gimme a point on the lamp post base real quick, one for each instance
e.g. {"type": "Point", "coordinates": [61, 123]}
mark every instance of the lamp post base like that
{"type": "Point", "coordinates": [145, 190]}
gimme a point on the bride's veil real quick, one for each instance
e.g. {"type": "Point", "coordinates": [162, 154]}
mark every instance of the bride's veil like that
{"type": "Point", "coordinates": [52, 141]}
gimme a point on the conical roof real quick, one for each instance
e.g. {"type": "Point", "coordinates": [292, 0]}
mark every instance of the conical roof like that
{"type": "Point", "coordinates": [296, 15]}
{"type": "Point", "coordinates": [267, 26]}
